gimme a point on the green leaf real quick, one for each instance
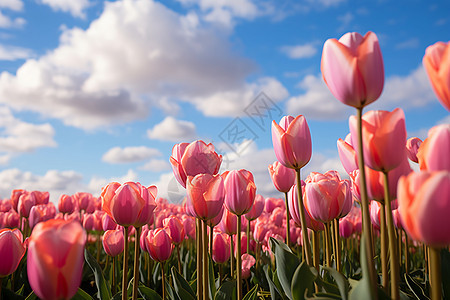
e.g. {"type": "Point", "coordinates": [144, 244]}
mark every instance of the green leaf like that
{"type": "Point", "coordinates": [227, 291]}
{"type": "Point", "coordinates": [341, 282]}
{"type": "Point", "coordinates": [302, 280]}
{"type": "Point", "coordinates": [252, 294]}
{"type": "Point", "coordinates": [325, 296]}
{"type": "Point", "coordinates": [81, 295]}
{"type": "Point", "coordinates": [287, 264]}
{"type": "Point", "coordinates": [415, 287]}
{"type": "Point", "coordinates": [362, 290]}
{"type": "Point", "coordinates": [103, 291]}
{"type": "Point", "coordinates": [181, 286]}
{"type": "Point", "coordinates": [274, 292]}
{"type": "Point", "coordinates": [31, 296]}
{"type": "Point", "coordinates": [148, 293]}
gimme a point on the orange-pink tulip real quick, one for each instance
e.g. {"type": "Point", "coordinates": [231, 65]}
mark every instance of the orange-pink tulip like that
{"type": "Point", "coordinates": [221, 248]}
{"type": "Point", "coordinates": [159, 245]}
{"type": "Point", "coordinates": [412, 147]}
{"type": "Point", "coordinates": [257, 208]}
{"type": "Point", "coordinates": [55, 258]}
{"type": "Point", "coordinates": [347, 154]}
{"type": "Point", "coordinates": [424, 203]}
{"type": "Point", "coordinates": [11, 250]}
{"type": "Point", "coordinates": [352, 67]}
{"type": "Point", "coordinates": [283, 178]}
{"type": "Point", "coordinates": [292, 141]}
{"type": "Point", "coordinates": [113, 242]}
{"type": "Point", "coordinates": [433, 154]}
{"type": "Point", "coordinates": [175, 229]}
{"type": "Point", "coordinates": [437, 64]}
{"type": "Point", "coordinates": [240, 191]}
{"type": "Point", "coordinates": [295, 212]}
{"type": "Point", "coordinates": [384, 134]}
{"type": "Point", "coordinates": [66, 204]}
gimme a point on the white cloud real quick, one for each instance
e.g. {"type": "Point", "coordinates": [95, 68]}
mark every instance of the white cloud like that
{"type": "Point", "coordinates": [169, 188]}
{"type": "Point", "coordinates": [156, 165]}
{"type": "Point", "coordinates": [408, 44]}
{"type": "Point", "coordinates": [75, 7]}
{"type": "Point", "coordinates": [173, 130]}
{"type": "Point", "coordinates": [17, 136]}
{"type": "Point", "coordinates": [299, 51]}
{"type": "Point", "coordinates": [7, 22]}
{"type": "Point", "coordinates": [96, 183]}
{"type": "Point", "coordinates": [125, 155]}
{"type": "Point", "coordinates": [322, 163]}
{"type": "Point", "coordinates": [345, 20]}
{"type": "Point", "coordinates": [100, 76]}
{"type": "Point", "coordinates": [15, 5]}
{"type": "Point", "coordinates": [13, 53]}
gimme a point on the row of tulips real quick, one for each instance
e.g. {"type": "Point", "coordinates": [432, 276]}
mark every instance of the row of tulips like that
{"type": "Point", "coordinates": [382, 220]}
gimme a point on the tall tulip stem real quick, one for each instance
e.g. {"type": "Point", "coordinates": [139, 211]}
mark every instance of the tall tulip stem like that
{"type": "Point", "coordinates": [231, 256]}
{"type": "Point", "coordinates": [163, 281]}
{"type": "Point", "coordinates": [327, 244]}
{"type": "Point", "coordinates": [125, 263]}
{"type": "Point", "coordinates": [435, 273]}
{"type": "Point", "coordinates": [338, 244]}
{"type": "Point", "coordinates": [238, 260]}
{"type": "Point", "coordinates": [114, 276]}
{"type": "Point", "coordinates": [367, 229]}
{"type": "Point", "coordinates": [303, 219]}
{"type": "Point", "coordinates": [394, 265]}
{"type": "Point", "coordinates": [248, 236]}
{"type": "Point", "coordinates": [137, 235]}
{"type": "Point", "coordinates": [199, 246]}
{"type": "Point", "coordinates": [178, 258]}
{"type": "Point", "coordinates": [288, 239]}
{"type": "Point", "coordinates": [316, 249]}
{"type": "Point", "coordinates": [205, 262]}
{"type": "Point", "coordinates": [384, 249]}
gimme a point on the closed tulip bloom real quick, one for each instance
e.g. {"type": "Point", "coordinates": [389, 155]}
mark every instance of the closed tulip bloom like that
{"type": "Point", "coordinates": [412, 147]}
{"type": "Point", "coordinates": [15, 195]}
{"type": "Point", "coordinates": [175, 161]}
{"type": "Point", "coordinates": [283, 178]}
{"type": "Point", "coordinates": [346, 227]}
{"type": "Point", "coordinates": [175, 228]}
{"type": "Point", "coordinates": [375, 207]}
{"type": "Point", "coordinates": [292, 141]}
{"type": "Point", "coordinates": [113, 242]}
{"type": "Point", "coordinates": [206, 195]}
{"type": "Point", "coordinates": [295, 212]}
{"type": "Point", "coordinates": [384, 134]}
{"type": "Point", "coordinates": [260, 230]}
{"type": "Point", "coordinates": [437, 64]}
{"type": "Point", "coordinates": [148, 194]}
{"type": "Point", "coordinates": [228, 224]}
{"type": "Point", "coordinates": [352, 67]}
{"type": "Point", "coordinates": [159, 244]}
{"type": "Point", "coordinates": [26, 201]}
{"type": "Point", "coordinates": [257, 208]}
{"type": "Point", "coordinates": [55, 258]}
{"type": "Point", "coordinates": [347, 154]}
{"type": "Point", "coordinates": [423, 204]}
{"type": "Point", "coordinates": [11, 250]}
{"type": "Point", "coordinates": [221, 248]}
{"type": "Point", "coordinates": [66, 204]}
{"type": "Point", "coordinates": [325, 195]}
{"type": "Point", "coordinates": [41, 213]}
{"type": "Point", "coordinates": [240, 191]}
{"type": "Point", "coordinates": [108, 223]}
{"type": "Point", "coordinates": [248, 261]}
{"type": "Point", "coordinates": [216, 220]}
{"type": "Point", "coordinates": [434, 152]}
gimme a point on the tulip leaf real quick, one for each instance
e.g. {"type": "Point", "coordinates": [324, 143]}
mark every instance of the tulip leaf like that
{"type": "Point", "coordinates": [302, 280]}
{"type": "Point", "coordinates": [8, 294]}
{"type": "Point", "coordinates": [148, 293]}
{"type": "Point", "coordinates": [415, 287]}
{"type": "Point", "coordinates": [252, 294]}
{"type": "Point", "coordinates": [212, 280]}
{"type": "Point", "coordinates": [181, 286]}
{"type": "Point", "coordinates": [341, 281]}
{"type": "Point", "coordinates": [274, 292]}
{"type": "Point", "coordinates": [227, 291]}
{"type": "Point", "coordinates": [103, 290]}
{"type": "Point", "coordinates": [287, 264]}
{"type": "Point", "coordinates": [81, 295]}
{"type": "Point", "coordinates": [31, 296]}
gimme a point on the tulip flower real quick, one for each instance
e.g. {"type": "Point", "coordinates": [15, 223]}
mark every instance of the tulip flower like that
{"type": "Point", "coordinates": [352, 67]}
{"type": "Point", "coordinates": [240, 191]}
{"type": "Point", "coordinates": [257, 208]}
{"type": "Point", "coordinates": [282, 177]}
{"type": "Point", "coordinates": [11, 251]}
{"type": "Point", "coordinates": [292, 141]}
{"type": "Point", "coordinates": [437, 64]}
{"type": "Point", "coordinates": [55, 259]}
{"type": "Point", "coordinates": [346, 227]}
{"type": "Point", "coordinates": [248, 261]}
{"type": "Point", "coordinates": [66, 204]}
{"type": "Point", "coordinates": [15, 195]}
{"type": "Point", "coordinates": [433, 153]}
{"type": "Point", "coordinates": [295, 213]}
{"type": "Point", "coordinates": [113, 242]}
{"type": "Point", "coordinates": [412, 147]}
{"type": "Point", "coordinates": [159, 244]}
{"type": "Point", "coordinates": [347, 154]}
{"type": "Point", "coordinates": [221, 248]}
{"type": "Point", "coordinates": [384, 133]}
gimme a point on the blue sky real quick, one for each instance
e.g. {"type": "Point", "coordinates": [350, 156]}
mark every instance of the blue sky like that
{"type": "Point", "coordinates": [93, 91]}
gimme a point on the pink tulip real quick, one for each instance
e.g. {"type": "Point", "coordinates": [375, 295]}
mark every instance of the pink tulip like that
{"type": "Point", "coordinates": [159, 244]}
{"type": "Point", "coordinates": [384, 133]}
{"type": "Point", "coordinates": [206, 195]}
{"type": "Point", "coordinates": [189, 226]}
{"type": "Point", "coordinates": [397, 219]}
{"type": "Point", "coordinates": [221, 248]}
{"type": "Point", "coordinates": [66, 204]}
{"type": "Point", "coordinates": [41, 213]}
{"type": "Point", "coordinates": [26, 201]}
{"type": "Point", "coordinates": [175, 229]}
{"type": "Point", "coordinates": [434, 152]}
{"type": "Point", "coordinates": [346, 227]}
{"type": "Point", "coordinates": [260, 230]}
{"type": "Point", "coordinates": [424, 203]}
{"type": "Point", "coordinates": [257, 208]}
{"type": "Point", "coordinates": [55, 259]}
{"type": "Point", "coordinates": [347, 154]}
{"type": "Point", "coordinates": [229, 223]}
{"type": "Point", "coordinates": [216, 220]}
{"type": "Point", "coordinates": [113, 242]}
{"type": "Point", "coordinates": [88, 222]}
{"type": "Point", "coordinates": [84, 201]}
{"type": "Point", "coordinates": [295, 212]}
{"type": "Point", "coordinates": [292, 141]}
{"type": "Point", "coordinates": [108, 223]}
{"type": "Point", "coordinates": [283, 178]}
{"type": "Point", "coordinates": [352, 67]}
{"type": "Point", "coordinates": [15, 195]}
{"type": "Point", "coordinates": [248, 261]}
{"type": "Point", "coordinates": [11, 250]}
{"type": "Point", "coordinates": [437, 64]}
{"type": "Point", "coordinates": [148, 194]}
{"type": "Point", "coordinates": [326, 195]}
{"type": "Point", "coordinates": [240, 191]}
{"type": "Point", "coordinates": [375, 207]}
{"type": "Point", "coordinates": [412, 147]}
{"type": "Point", "coordinates": [175, 160]}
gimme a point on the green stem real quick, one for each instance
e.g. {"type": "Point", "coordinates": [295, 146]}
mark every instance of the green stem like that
{"type": "Point", "coordinates": [248, 236]}
{"type": "Point", "coordinates": [301, 209]}
{"type": "Point", "coordinates": [338, 244]}
{"type": "Point", "coordinates": [367, 230]}
{"type": "Point", "coordinates": [394, 266]}
{"type": "Point", "coordinates": [288, 238]}
{"type": "Point", "coordinates": [99, 247]}
{"type": "Point", "coordinates": [238, 260]}
{"type": "Point", "coordinates": [199, 244]}
{"type": "Point", "coordinates": [125, 263]}
{"type": "Point", "coordinates": [205, 262]}
{"type": "Point", "coordinates": [327, 244]}
{"type": "Point", "coordinates": [333, 240]}
{"type": "Point", "coordinates": [114, 276]}
{"type": "Point", "coordinates": [316, 249]}
{"type": "Point", "coordinates": [232, 256]}
{"type": "Point", "coordinates": [163, 281]}
{"type": "Point", "coordinates": [384, 249]}
{"type": "Point", "coordinates": [435, 273]}
{"type": "Point", "coordinates": [137, 235]}
{"type": "Point", "coordinates": [211, 238]}
{"type": "Point", "coordinates": [179, 259]}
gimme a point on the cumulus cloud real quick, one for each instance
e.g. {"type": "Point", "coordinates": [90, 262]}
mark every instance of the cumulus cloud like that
{"type": "Point", "coordinates": [299, 51]}
{"type": "Point", "coordinates": [75, 7]}
{"type": "Point", "coordinates": [7, 22]}
{"type": "Point", "coordinates": [173, 130]}
{"type": "Point", "coordinates": [113, 71]}
{"type": "Point", "coordinates": [156, 165]}
{"type": "Point", "coordinates": [118, 155]}
{"type": "Point", "coordinates": [17, 136]}
{"type": "Point", "coordinates": [13, 53]}
{"type": "Point", "coordinates": [15, 5]}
